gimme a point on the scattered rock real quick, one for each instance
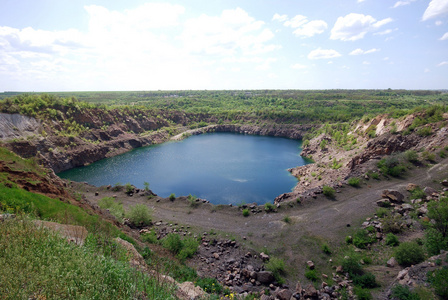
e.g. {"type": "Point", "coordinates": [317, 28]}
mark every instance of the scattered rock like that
{"type": "Point", "coordinates": [383, 203]}
{"type": "Point", "coordinates": [191, 291]}
{"type": "Point", "coordinates": [264, 256]}
{"type": "Point", "coordinates": [265, 277]}
{"type": "Point", "coordinates": [391, 262]}
{"type": "Point", "coordinates": [284, 294]}
{"type": "Point", "coordinates": [411, 187]}
{"type": "Point", "coordinates": [310, 265]}
{"type": "Point", "coordinates": [393, 196]}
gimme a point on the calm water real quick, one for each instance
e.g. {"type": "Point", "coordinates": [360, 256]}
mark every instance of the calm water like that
{"type": "Point", "coordinates": [223, 168]}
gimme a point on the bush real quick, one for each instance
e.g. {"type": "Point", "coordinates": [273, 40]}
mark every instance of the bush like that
{"type": "Point", "coordinates": [411, 156]}
{"type": "Point", "coordinates": [277, 267]}
{"type": "Point", "coordinates": [439, 281]}
{"type": "Point", "coordinates": [150, 237]}
{"type": "Point", "coordinates": [409, 253]}
{"type": "Point", "coordinates": [326, 249]}
{"type": "Point", "coordinates": [210, 285]}
{"type": "Point", "coordinates": [354, 181]}
{"type": "Point", "coordinates": [382, 212]}
{"type": "Point", "coordinates": [268, 207]}
{"type": "Point", "coordinates": [391, 166]}
{"type": "Point", "coordinates": [392, 224]}
{"type": "Point", "coordinates": [189, 248]}
{"type": "Point", "coordinates": [352, 266]}
{"type": "Point", "coordinates": [129, 188]}
{"type": "Point", "coordinates": [438, 211]}
{"type": "Point", "coordinates": [434, 241]}
{"type": "Point", "coordinates": [418, 193]}
{"type": "Point", "coordinates": [392, 240]}
{"type": "Point", "coordinates": [402, 292]}
{"type": "Point", "coordinates": [424, 131]}
{"type": "Point", "coordinates": [139, 215]}
{"type": "Point", "coordinates": [246, 212]}
{"type": "Point", "coordinates": [115, 208]}
{"type": "Point", "coordinates": [172, 197]}
{"type": "Point", "coordinates": [366, 280]}
{"type": "Point", "coordinates": [362, 294]}
{"type": "Point", "coordinates": [311, 275]}
{"type": "Point", "coordinates": [173, 243]}
{"type": "Point", "coordinates": [429, 156]}
{"type": "Point", "coordinates": [361, 239]}
{"type": "Point", "coordinates": [328, 191]}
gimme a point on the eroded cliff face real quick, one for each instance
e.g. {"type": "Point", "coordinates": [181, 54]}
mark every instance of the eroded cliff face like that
{"type": "Point", "coordinates": [106, 133]}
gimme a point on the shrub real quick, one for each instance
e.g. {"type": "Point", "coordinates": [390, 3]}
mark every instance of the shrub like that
{"type": "Point", "coordinates": [268, 207]}
{"type": "Point", "coordinates": [409, 253]}
{"type": "Point", "coordinates": [438, 211]}
{"type": "Point", "coordinates": [326, 249]}
{"type": "Point", "coordinates": [129, 188]}
{"type": "Point", "coordinates": [392, 224]}
{"type": "Point", "coordinates": [210, 285]}
{"type": "Point", "coordinates": [146, 185]}
{"type": "Point", "coordinates": [373, 175]}
{"type": "Point", "coordinates": [328, 191]}
{"type": "Point", "coordinates": [392, 240]}
{"type": "Point", "coordinates": [189, 248]}
{"type": "Point", "coordinates": [366, 280]}
{"type": "Point", "coordinates": [150, 237]}
{"type": "Point", "coordinates": [439, 281]}
{"type": "Point", "coordinates": [361, 239]}
{"type": "Point", "coordinates": [429, 156]}
{"type": "Point", "coordinates": [323, 144]}
{"type": "Point", "coordinates": [115, 208]}
{"type": "Point", "coordinates": [172, 197]}
{"type": "Point", "coordinates": [311, 275]}
{"type": "Point", "coordinates": [424, 131]}
{"type": "Point", "coordinates": [381, 212]}
{"type": "Point", "coordinates": [362, 294]}
{"type": "Point", "coordinates": [287, 219]}
{"type": "Point", "coordinates": [192, 201]}
{"type": "Point", "coordinates": [354, 181]}
{"type": "Point", "coordinates": [351, 266]}
{"type": "Point", "coordinates": [246, 212]}
{"type": "Point", "coordinates": [173, 243]}
{"type": "Point", "coordinates": [411, 156]}
{"type": "Point", "coordinates": [391, 166]}
{"type": "Point", "coordinates": [402, 292]}
{"type": "Point", "coordinates": [139, 215]}
{"type": "Point", "coordinates": [277, 267]}
{"type": "Point", "coordinates": [434, 241]}
{"type": "Point", "coordinates": [418, 193]}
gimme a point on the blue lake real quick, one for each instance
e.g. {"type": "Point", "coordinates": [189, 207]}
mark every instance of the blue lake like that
{"type": "Point", "coordinates": [224, 168]}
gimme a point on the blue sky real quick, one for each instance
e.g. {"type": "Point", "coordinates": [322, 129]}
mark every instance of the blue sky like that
{"type": "Point", "coordinates": [66, 45]}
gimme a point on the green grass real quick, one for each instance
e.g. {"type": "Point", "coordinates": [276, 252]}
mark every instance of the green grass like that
{"type": "Point", "coordinates": [38, 264]}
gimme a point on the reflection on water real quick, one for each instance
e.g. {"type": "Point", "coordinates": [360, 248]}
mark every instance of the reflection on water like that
{"type": "Point", "coordinates": [223, 168]}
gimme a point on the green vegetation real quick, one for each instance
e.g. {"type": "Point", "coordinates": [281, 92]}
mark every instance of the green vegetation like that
{"type": "Point", "coordinates": [409, 253]}
{"type": "Point", "coordinates": [392, 166]}
{"type": "Point", "coordinates": [139, 215]}
{"type": "Point", "coordinates": [172, 197]}
{"type": "Point", "coordinates": [362, 238]}
{"type": "Point", "coordinates": [392, 240]}
{"type": "Point", "coordinates": [115, 208]}
{"type": "Point", "coordinates": [246, 212]}
{"type": "Point", "coordinates": [328, 191]}
{"type": "Point", "coordinates": [402, 292]}
{"type": "Point", "coordinates": [277, 267]}
{"type": "Point", "coordinates": [183, 248]}
{"type": "Point", "coordinates": [38, 256]}
{"type": "Point", "coordinates": [439, 281]}
{"type": "Point", "coordinates": [269, 207]}
{"type": "Point", "coordinates": [354, 181]}
{"type": "Point", "coordinates": [311, 275]}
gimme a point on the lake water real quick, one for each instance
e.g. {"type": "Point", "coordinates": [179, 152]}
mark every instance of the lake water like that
{"type": "Point", "coordinates": [224, 168]}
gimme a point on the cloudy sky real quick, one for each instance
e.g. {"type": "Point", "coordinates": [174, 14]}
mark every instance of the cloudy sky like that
{"type": "Point", "coordinates": [66, 45]}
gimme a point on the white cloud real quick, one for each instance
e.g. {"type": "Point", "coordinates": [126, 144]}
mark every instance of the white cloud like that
{"type": "Point", "coordinates": [320, 53]}
{"type": "Point", "coordinates": [234, 31]}
{"type": "Point", "coordinates": [280, 18]}
{"type": "Point", "coordinates": [311, 28]}
{"type": "Point", "coordinates": [353, 26]}
{"type": "Point", "coordinates": [402, 3]}
{"type": "Point", "coordinates": [298, 66]}
{"type": "Point", "coordinates": [426, 70]}
{"type": "Point", "coordinates": [303, 27]}
{"type": "Point", "coordinates": [359, 51]}
{"type": "Point", "coordinates": [387, 31]}
{"type": "Point", "coordinates": [443, 63]}
{"type": "Point", "coordinates": [366, 62]}
{"type": "Point", "coordinates": [435, 9]}
{"type": "Point", "coordinates": [444, 37]}
{"type": "Point", "coordinates": [359, 1]}
{"type": "Point", "coordinates": [438, 23]}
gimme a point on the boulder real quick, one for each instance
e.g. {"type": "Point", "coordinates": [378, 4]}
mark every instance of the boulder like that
{"type": "Point", "coordinates": [310, 264]}
{"type": "Point", "coordinates": [422, 211]}
{"type": "Point", "coordinates": [265, 277]}
{"type": "Point", "coordinates": [284, 294]}
{"type": "Point", "coordinates": [411, 187]}
{"type": "Point", "coordinates": [391, 262]}
{"type": "Point", "coordinates": [135, 258]}
{"type": "Point", "coordinates": [429, 191]}
{"type": "Point", "coordinates": [445, 182]}
{"type": "Point", "coordinates": [393, 196]}
{"type": "Point", "coordinates": [264, 256]}
{"type": "Point", "coordinates": [383, 203]}
{"type": "Point", "coordinates": [192, 292]}
{"type": "Point", "coordinates": [310, 292]}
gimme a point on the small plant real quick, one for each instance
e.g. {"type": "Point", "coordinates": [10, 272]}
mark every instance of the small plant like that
{"type": "Point", "coordinates": [146, 185]}
{"type": "Point", "coordinates": [328, 191]}
{"type": "Point", "coordinates": [311, 275]}
{"type": "Point", "coordinates": [428, 156]}
{"type": "Point", "coordinates": [381, 212]}
{"type": "Point", "coordinates": [277, 267]}
{"type": "Point", "coordinates": [392, 240]}
{"type": "Point", "coordinates": [287, 219]}
{"type": "Point", "coordinates": [150, 237]}
{"type": "Point", "coordinates": [210, 285]}
{"type": "Point", "coordinates": [192, 201]}
{"type": "Point", "coordinates": [246, 212]}
{"type": "Point", "coordinates": [354, 181]}
{"type": "Point", "coordinates": [424, 131]}
{"type": "Point", "coordinates": [418, 193]}
{"type": "Point", "coordinates": [172, 197]}
{"type": "Point", "coordinates": [411, 156]}
{"type": "Point", "coordinates": [373, 175]}
{"type": "Point", "coordinates": [326, 249]}
{"type": "Point", "coordinates": [139, 215]}
{"type": "Point", "coordinates": [173, 243]}
{"type": "Point", "coordinates": [323, 144]}
{"type": "Point", "coordinates": [269, 207]}
{"type": "Point", "coordinates": [129, 188]}
{"type": "Point", "coordinates": [439, 281]}
{"type": "Point", "coordinates": [402, 292]}
{"type": "Point", "coordinates": [361, 239]}
{"type": "Point", "coordinates": [409, 253]}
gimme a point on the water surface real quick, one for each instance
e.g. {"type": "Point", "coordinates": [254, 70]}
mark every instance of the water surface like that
{"type": "Point", "coordinates": [224, 168]}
